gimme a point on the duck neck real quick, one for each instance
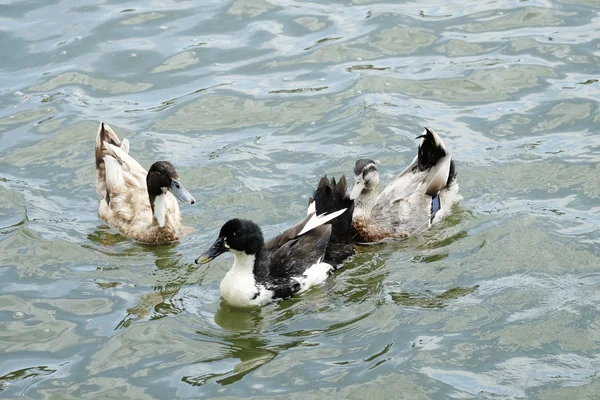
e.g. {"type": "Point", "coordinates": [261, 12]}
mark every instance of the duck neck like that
{"type": "Point", "coordinates": [364, 203]}
{"type": "Point", "coordinates": [238, 287]}
{"type": "Point", "coordinates": [159, 208]}
{"type": "Point", "coordinates": [243, 264]}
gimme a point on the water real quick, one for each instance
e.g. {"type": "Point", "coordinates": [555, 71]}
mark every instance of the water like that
{"type": "Point", "coordinates": [253, 100]}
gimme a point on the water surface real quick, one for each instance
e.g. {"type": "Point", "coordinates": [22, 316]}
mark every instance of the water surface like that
{"type": "Point", "coordinates": [253, 100]}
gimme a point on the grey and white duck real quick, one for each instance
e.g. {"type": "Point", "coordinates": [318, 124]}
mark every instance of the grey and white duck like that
{"type": "Point", "coordinates": [293, 261]}
{"type": "Point", "coordinates": [418, 197]}
{"type": "Point", "coordinates": [140, 205]}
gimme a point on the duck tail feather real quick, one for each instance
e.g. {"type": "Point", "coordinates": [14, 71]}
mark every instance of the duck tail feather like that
{"type": "Point", "coordinates": [438, 176]}
{"type": "Point", "coordinates": [451, 174]}
{"type": "Point", "coordinates": [431, 149]}
{"type": "Point", "coordinates": [323, 197]}
{"type": "Point", "coordinates": [125, 145]}
{"type": "Point", "coordinates": [106, 134]}
{"type": "Point", "coordinates": [331, 197]}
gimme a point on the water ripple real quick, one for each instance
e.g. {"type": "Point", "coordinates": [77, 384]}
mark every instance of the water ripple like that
{"type": "Point", "coordinates": [253, 100]}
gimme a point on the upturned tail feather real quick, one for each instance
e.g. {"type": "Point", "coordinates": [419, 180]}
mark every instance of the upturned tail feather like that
{"type": "Point", "coordinates": [329, 197]}
{"type": "Point", "coordinates": [431, 150]}
{"type": "Point", "coordinates": [105, 134]}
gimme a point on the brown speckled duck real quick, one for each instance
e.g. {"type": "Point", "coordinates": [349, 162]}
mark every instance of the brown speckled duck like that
{"type": "Point", "coordinates": [140, 205]}
{"type": "Point", "coordinates": [420, 196]}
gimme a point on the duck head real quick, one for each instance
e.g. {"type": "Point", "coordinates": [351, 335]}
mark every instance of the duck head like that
{"type": "Point", "coordinates": [366, 178]}
{"type": "Point", "coordinates": [238, 236]}
{"type": "Point", "coordinates": [163, 177]}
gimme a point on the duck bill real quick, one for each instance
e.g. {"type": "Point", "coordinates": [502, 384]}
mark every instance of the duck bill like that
{"type": "Point", "coordinates": [356, 189]}
{"type": "Point", "coordinates": [215, 251]}
{"type": "Point", "coordinates": [181, 192]}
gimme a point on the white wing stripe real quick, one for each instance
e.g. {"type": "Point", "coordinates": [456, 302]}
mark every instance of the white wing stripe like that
{"type": "Point", "coordinates": [316, 221]}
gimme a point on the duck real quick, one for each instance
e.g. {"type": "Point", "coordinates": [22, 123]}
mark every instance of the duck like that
{"type": "Point", "coordinates": [418, 197]}
{"type": "Point", "coordinates": [140, 205]}
{"type": "Point", "coordinates": [290, 263]}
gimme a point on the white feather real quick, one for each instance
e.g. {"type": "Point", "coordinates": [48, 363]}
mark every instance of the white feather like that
{"type": "Point", "coordinates": [312, 208]}
{"type": "Point", "coordinates": [438, 175]}
{"type": "Point", "coordinates": [437, 139]}
{"type": "Point", "coordinates": [314, 275]}
{"type": "Point", "coordinates": [160, 209]}
{"type": "Point", "coordinates": [316, 221]}
{"type": "Point", "coordinates": [125, 145]}
{"type": "Point", "coordinates": [238, 287]}
{"type": "Point", "coordinates": [114, 174]}
{"type": "Point", "coordinates": [447, 200]}
{"type": "Point", "coordinates": [125, 158]}
{"type": "Point", "coordinates": [414, 162]}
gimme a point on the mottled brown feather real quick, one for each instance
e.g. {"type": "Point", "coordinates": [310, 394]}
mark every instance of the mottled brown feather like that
{"type": "Point", "coordinates": [367, 231]}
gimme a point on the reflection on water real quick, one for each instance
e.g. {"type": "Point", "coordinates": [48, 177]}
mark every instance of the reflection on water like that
{"type": "Point", "coordinates": [427, 300]}
{"type": "Point", "coordinates": [248, 353]}
{"type": "Point", "coordinates": [253, 100]}
{"type": "Point", "coordinates": [237, 320]}
{"type": "Point", "coordinates": [23, 374]}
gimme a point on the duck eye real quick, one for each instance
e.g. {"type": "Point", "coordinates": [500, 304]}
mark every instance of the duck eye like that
{"type": "Point", "coordinates": [177, 185]}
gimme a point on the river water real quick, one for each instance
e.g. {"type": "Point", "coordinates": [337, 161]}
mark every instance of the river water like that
{"type": "Point", "coordinates": [253, 100]}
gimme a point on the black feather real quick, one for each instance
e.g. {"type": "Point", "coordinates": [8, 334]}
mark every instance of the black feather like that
{"type": "Point", "coordinates": [331, 196]}
{"type": "Point", "coordinates": [283, 288]}
{"type": "Point", "coordinates": [429, 151]}
{"type": "Point", "coordinates": [288, 255]}
{"type": "Point", "coordinates": [451, 174]}
{"type": "Point", "coordinates": [160, 176]}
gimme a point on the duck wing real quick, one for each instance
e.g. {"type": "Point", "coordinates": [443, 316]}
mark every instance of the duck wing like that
{"type": "Point", "coordinates": [125, 182]}
{"type": "Point", "coordinates": [296, 255]}
{"type": "Point", "coordinates": [293, 251]}
{"type": "Point", "coordinates": [430, 182]}
{"type": "Point", "coordinates": [438, 176]}
{"type": "Point", "coordinates": [130, 168]}
{"type": "Point", "coordinates": [402, 187]}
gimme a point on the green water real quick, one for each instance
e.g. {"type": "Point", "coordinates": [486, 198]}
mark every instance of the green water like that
{"type": "Point", "coordinates": [253, 100]}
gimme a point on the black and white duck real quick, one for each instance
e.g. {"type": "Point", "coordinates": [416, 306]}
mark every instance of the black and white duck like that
{"type": "Point", "coordinates": [290, 263]}
{"type": "Point", "coordinates": [140, 205]}
{"type": "Point", "coordinates": [414, 200]}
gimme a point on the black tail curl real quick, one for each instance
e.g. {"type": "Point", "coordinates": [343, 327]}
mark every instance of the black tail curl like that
{"type": "Point", "coordinates": [329, 197]}
{"type": "Point", "coordinates": [430, 152]}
